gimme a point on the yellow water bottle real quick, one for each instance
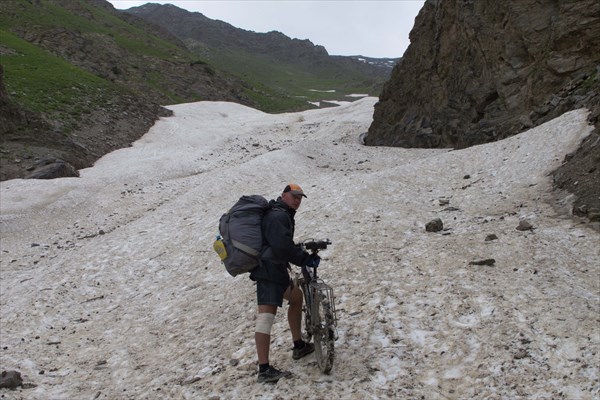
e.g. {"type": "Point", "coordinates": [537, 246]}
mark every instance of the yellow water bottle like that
{"type": "Point", "coordinates": [219, 247]}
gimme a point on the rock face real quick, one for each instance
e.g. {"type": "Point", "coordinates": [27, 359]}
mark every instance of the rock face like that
{"type": "Point", "coordinates": [479, 71]}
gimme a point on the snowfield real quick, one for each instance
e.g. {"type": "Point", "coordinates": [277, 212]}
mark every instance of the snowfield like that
{"type": "Point", "coordinates": [110, 288]}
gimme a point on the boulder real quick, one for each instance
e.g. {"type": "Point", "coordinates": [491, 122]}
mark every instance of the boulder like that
{"type": "Point", "coordinates": [524, 225]}
{"type": "Point", "coordinates": [56, 169]}
{"type": "Point", "coordinates": [10, 380]}
{"type": "Point", "coordinates": [435, 225]}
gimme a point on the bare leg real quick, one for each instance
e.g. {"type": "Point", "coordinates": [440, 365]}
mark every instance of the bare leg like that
{"type": "Point", "coordinates": [263, 341]}
{"type": "Point", "coordinates": [295, 298]}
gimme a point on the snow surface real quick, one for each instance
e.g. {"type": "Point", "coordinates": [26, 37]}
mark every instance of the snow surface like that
{"type": "Point", "coordinates": [110, 288]}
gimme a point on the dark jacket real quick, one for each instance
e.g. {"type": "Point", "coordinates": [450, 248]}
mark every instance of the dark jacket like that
{"type": "Point", "coordinates": [279, 248]}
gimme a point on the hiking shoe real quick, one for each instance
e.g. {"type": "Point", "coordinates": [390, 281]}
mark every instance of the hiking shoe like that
{"type": "Point", "coordinates": [303, 351]}
{"type": "Point", "coordinates": [272, 375]}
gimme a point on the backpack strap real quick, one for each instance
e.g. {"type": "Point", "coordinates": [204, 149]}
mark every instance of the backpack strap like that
{"type": "Point", "coordinates": [273, 206]}
{"type": "Point", "coordinates": [244, 248]}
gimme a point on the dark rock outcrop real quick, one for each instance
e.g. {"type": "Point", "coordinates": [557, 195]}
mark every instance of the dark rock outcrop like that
{"type": "Point", "coordinates": [580, 175]}
{"type": "Point", "coordinates": [480, 71]}
{"type": "Point", "coordinates": [57, 169]}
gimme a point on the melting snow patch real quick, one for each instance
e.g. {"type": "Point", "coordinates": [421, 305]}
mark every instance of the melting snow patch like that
{"type": "Point", "coordinates": [147, 305]}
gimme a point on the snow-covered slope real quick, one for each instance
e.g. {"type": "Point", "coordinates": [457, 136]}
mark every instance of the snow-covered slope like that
{"type": "Point", "coordinates": [110, 288]}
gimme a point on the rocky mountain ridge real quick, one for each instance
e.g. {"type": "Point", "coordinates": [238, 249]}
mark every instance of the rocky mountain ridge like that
{"type": "Point", "coordinates": [207, 34]}
{"type": "Point", "coordinates": [477, 72]}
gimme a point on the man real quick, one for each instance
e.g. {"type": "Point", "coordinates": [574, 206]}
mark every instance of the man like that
{"type": "Point", "coordinates": [273, 283]}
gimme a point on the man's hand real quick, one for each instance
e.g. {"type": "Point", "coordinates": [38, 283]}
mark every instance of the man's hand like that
{"type": "Point", "coordinates": [313, 261]}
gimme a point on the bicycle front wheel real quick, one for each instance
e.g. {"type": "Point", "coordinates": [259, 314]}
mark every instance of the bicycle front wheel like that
{"type": "Point", "coordinates": [323, 329]}
{"type": "Point", "coordinates": [307, 332]}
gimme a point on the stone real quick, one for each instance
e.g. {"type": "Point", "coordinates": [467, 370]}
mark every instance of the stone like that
{"type": "Point", "coordinates": [524, 225]}
{"type": "Point", "coordinates": [521, 354]}
{"type": "Point", "coordinates": [10, 380]}
{"type": "Point", "coordinates": [57, 169]}
{"type": "Point", "coordinates": [488, 261]}
{"type": "Point", "coordinates": [435, 225]}
{"type": "Point", "coordinates": [450, 209]}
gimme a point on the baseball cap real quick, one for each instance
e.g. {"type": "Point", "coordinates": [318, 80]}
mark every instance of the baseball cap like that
{"type": "Point", "coordinates": [295, 189]}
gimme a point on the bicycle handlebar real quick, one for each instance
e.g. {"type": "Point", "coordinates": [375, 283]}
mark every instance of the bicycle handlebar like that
{"type": "Point", "coordinates": [316, 245]}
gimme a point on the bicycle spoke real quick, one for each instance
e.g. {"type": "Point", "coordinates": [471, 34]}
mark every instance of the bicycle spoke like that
{"type": "Point", "coordinates": [323, 330]}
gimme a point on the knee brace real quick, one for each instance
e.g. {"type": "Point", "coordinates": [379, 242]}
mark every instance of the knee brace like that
{"type": "Point", "coordinates": [264, 322]}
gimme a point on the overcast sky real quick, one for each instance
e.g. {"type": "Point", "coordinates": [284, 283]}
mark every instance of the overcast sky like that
{"type": "Point", "coordinates": [369, 28]}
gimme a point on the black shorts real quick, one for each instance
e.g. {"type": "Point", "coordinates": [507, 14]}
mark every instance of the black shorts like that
{"type": "Point", "coordinates": [270, 293]}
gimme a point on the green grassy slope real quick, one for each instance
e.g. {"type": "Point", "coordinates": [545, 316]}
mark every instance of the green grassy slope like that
{"type": "Point", "coordinates": [327, 83]}
{"type": "Point", "coordinates": [44, 83]}
{"type": "Point", "coordinates": [133, 55]}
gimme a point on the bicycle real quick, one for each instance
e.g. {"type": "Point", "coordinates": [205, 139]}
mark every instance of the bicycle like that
{"type": "Point", "coordinates": [320, 319]}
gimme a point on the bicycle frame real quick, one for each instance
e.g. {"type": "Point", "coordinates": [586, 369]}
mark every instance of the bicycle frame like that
{"type": "Point", "coordinates": [320, 317]}
{"type": "Point", "coordinates": [311, 283]}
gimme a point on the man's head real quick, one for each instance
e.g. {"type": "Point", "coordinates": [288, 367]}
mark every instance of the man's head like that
{"type": "Point", "coordinates": [292, 195]}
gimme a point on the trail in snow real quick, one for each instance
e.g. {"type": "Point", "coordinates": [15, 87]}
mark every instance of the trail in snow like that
{"type": "Point", "coordinates": [110, 289]}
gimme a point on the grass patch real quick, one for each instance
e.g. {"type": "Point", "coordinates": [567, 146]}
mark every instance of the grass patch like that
{"type": "Point", "coordinates": [46, 84]}
{"type": "Point", "coordinates": [293, 80]}
{"type": "Point", "coordinates": [271, 102]}
{"type": "Point", "coordinates": [42, 16]}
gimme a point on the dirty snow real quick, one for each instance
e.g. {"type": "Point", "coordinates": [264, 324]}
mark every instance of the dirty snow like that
{"type": "Point", "coordinates": [110, 288]}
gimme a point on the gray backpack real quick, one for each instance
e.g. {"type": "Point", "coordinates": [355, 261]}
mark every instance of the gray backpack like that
{"type": "Point", "coordinates": [241, 237]}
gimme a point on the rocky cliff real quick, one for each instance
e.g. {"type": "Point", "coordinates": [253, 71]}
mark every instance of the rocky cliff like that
{"type": "Point", "coordinates": [480, 71]}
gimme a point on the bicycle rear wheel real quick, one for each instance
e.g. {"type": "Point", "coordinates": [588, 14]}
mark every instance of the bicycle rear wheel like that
{"type": "Point", "coordinates": [323, 322]}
